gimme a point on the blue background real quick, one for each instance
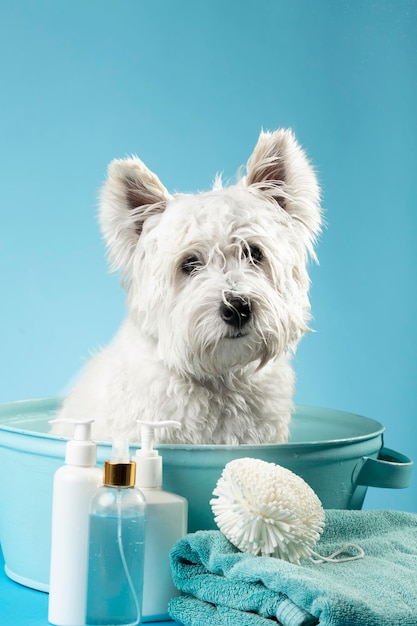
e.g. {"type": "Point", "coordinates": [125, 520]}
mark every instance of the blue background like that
{"type": "Point", "coordinates": [188, 85]}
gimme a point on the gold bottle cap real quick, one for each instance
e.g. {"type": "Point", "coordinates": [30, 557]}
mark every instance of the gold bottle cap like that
{"type": "Point", "coordinates": [119, 474]}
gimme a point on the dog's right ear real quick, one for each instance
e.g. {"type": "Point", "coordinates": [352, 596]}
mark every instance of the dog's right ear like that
{"type": "Point", "coordinates": [130, 195]}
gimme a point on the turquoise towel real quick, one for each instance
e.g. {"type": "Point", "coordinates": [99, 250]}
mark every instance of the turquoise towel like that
{"type": "Point", "coordinates": [225, 587]}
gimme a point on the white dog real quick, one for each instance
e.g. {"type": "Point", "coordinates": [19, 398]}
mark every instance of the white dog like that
{"type": "Point", "coordinates": [217, 299]}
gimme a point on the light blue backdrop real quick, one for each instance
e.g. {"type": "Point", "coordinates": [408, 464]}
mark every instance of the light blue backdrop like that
{"type": "Point", "coordinates": [188, 85]}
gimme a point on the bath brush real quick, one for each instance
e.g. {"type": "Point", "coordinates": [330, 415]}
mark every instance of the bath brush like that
{"type": "Point", "coordinates": [265, 509]}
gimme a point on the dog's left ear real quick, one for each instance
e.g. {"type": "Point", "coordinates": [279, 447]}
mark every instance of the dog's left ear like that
{"type": "Point", "coordinates": [280, 169]}
{"type": "Point", "coordinates": [130, 195]}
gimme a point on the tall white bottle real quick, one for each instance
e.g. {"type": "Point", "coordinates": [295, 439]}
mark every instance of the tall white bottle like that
{"type": "Point", "coordinates": [166, 524]}
{"type": "Point", "coordinates": [74, 486]}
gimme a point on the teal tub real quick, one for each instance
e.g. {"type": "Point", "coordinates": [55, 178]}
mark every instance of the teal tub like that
{"type": "Point", "coordinates": [339, 454]}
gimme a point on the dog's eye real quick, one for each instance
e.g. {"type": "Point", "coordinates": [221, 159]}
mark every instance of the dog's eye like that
{"type": "Point", "coordinates": [190, 264]}
{"type": "Point", "coordinates": [254, 254]}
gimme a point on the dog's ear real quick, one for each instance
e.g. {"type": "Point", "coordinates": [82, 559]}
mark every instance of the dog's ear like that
{"type": "Point", "coordinates": [279, 168]}
{"type": "Point", "coordinates": [130, 195]}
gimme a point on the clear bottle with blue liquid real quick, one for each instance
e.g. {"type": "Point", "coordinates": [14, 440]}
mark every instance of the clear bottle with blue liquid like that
{"type": "Point", "coordinates": [116, 545]}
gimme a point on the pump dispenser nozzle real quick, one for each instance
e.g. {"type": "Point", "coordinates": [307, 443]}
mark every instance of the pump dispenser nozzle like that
{"type": "Point", "coordinates": [148, 461]}
{"type": "Point", "coordinates": [80, 450]}
{"type": "Point", "coordinates": [120, 451]}
{"type": "Point", "coordinates": [147, 434]}
{"type": "Point", "coordinates": [120, 470]}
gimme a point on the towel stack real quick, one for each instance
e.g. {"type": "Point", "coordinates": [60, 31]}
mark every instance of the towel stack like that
{"type": "Point", "coordinates": [224, 587]}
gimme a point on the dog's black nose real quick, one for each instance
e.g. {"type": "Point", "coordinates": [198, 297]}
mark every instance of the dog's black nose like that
{"type": "Point", "coordinates": [236, 312]}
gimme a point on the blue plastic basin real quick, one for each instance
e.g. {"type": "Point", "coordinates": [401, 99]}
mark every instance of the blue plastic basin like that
{"type": "Point", "coordinates": [339, 454]}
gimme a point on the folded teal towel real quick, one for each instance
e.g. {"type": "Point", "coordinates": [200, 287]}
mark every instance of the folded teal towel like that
{"type": "Point", "coordinates": [225, 587]}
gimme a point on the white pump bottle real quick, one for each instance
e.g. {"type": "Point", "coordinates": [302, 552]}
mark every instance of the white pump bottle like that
{"type": "Point", "coordinates": [74, 485]}
{"type": "Point", "coordinates": [166, 524]}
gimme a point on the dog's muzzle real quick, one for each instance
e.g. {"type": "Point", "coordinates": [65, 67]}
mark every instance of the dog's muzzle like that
{"type": "Point", "coordinates": [236, 311]}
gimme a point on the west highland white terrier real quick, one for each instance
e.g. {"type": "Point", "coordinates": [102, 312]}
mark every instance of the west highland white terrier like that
{"type": "Point", "coordinates": [217, 294]}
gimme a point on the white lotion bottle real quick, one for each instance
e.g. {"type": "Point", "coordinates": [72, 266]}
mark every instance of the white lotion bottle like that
{"type": "Point", "coordinates": [73, 489]}
{"type": "Point", "coordinates": [167, 515]}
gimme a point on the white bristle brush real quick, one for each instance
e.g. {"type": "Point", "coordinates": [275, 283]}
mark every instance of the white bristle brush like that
{"type": "Point", "coordinates": [267, 510]}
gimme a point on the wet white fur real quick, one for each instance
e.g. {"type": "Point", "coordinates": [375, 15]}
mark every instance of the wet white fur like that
{"type": "Point", "coordinates": [174, 357]}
